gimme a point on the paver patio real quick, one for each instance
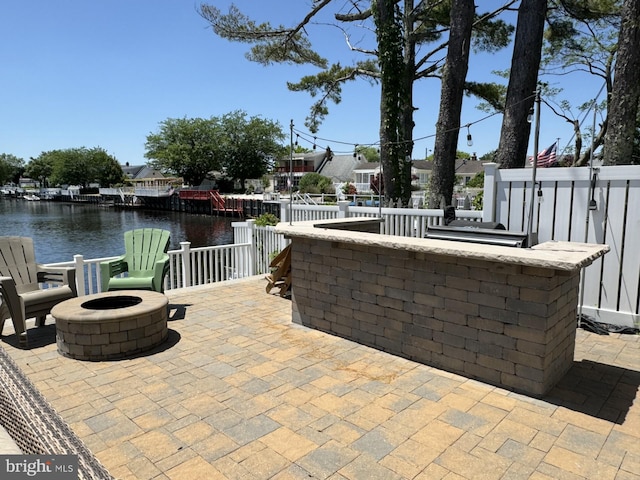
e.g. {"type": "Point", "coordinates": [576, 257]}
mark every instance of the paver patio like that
{"type": "Point", "coordinates": [240, 392]}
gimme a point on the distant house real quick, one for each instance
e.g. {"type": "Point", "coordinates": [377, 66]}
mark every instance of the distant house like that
{"type": "Point", "coordinates": [339, 168]}
{"type": "Point", "coordinates": [355, 169]}
{"type": "Point", "coordinates": [364, 175]}
{"type": "Point", "coordinates": [145, 177]}
{"type": "Point", "coordinates": [25, 182]}
{"type": "Point", "coordinates": [140, 171]}
{"type": "Point", "coordinates": [465, 170]}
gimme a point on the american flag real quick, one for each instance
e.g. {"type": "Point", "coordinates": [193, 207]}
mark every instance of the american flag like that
{"type": "Point", "coordinates": [547, 157]}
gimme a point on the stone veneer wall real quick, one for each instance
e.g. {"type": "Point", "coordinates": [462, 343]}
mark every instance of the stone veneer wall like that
{"type": "Point", "coordinates": [505, 324]}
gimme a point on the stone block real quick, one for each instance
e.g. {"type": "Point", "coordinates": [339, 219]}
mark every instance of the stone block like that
{"type": "Point", "coordinates": [492, 338]}
{"type": "Point", "coordinates": [529, 372]}
{"type": "Point", "coordinates": [429, 300]}
{"type": "Point", "coordinates": [498, 286]}
{"type": "Point", "coordinates": [481, 372]}
{"type": "Point", "coordinates": [484, 348]}
{"type": "Point", "coordinates": [451, 269]}
{"type": "Point", "coordinates": [497, 314]}
{"type": "Point", "coordinates": [517, 305]}
{"type": "Point", "coordinates": [423, 344]}
{"type": "Point", "coordinates": [525, 359]}
{"type": "Point", "coordinates": [447, 363]}
{"type": "Point", "coordinates": [498, 364]}
{"type": "Point", "coordinates": [416, 331]}
{"type": "Point", "coordinates": [448, 339]}
{"type": "Point", "coordinates": [485, 324]}
{"type": "Point", "coordinates": [117, 337]}
{"type": "Point", "coordinates": [110, 349]}
{"type": "Point", "coordinates": [465, 308]}
{"type": "Point", "coordinates": [467, 333]}
{"type": "Point", "coordinates": [135, 334]}
{"type": "Point", "coordinates": [392, 303]}
{"type": "Point", "coordinates": [429, 322]}
{"type": "Point", "coordinates": [467, 284]}
{"type": "Point", "coordinates": [451, 293]}
{"type": "Point", "coordinates": [487, 299]}
{"type": "Point", "coordinates": [459, 353]}
{"type": "Point", "coordinates": [522, 384]}
{"type": "Point", "coordinates": [83, 339]}
{"type": "Point", "coordinates": [101, 339]}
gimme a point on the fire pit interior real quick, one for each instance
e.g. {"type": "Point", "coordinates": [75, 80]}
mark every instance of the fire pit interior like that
{"type": "Point", "coordinates": [111, 303]}
{"type": "Point", "coordinates": [110, 325]}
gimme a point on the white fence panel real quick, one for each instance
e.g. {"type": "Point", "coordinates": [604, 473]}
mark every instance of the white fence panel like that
{"type": "Point", "coordinates": [598, 205]}
{"type": "Point", "coordinates": [303, 213]}
{"type": "Point", "coordinates": [630, 266]}
{"type": "Point", "coordinates": [268, 244]}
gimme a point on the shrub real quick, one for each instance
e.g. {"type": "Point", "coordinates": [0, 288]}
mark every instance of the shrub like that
{"type": "Point", "coordinates": [349, 189]}
{"type": "Point", "coordinates": [315, 183]}
{"type": "Point", "coordinates": [267, 219]}
{"type": "Point", "coordinates": [478, 201]}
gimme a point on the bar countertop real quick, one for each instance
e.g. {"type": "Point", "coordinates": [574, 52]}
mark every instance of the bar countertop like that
{"type": "Point", "coordinates": [552, 254]}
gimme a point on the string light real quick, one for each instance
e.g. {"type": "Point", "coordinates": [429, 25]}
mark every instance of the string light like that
{"type": "Point", "coordinates": [312, 140]}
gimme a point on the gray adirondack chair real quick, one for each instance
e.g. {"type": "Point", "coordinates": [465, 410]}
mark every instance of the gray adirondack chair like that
{"type": "Point", "coordinates": [20, 276]}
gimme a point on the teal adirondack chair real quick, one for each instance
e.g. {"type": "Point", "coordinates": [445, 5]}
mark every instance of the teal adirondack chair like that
{"type": "Point", "coordinates": [145, 262]}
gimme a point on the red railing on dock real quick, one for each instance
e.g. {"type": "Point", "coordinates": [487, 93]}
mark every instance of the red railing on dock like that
{"type": "Point", "coordinates": [220, 204]}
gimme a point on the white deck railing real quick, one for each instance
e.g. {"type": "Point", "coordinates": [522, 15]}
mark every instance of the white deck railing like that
{"type": "Point", "coordinates": [404, 222]}
{"type": "Point", "coordinates": [188, 266]}
{"type": "Point", "coordinates": [256, 246]}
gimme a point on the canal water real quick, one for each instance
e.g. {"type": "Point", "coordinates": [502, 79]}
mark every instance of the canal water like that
{"type": "Point", "coordinates": [62, 230]}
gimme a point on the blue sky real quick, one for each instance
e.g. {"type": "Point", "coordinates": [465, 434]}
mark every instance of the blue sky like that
{"type": "Point", "coordinates": [105, 73]}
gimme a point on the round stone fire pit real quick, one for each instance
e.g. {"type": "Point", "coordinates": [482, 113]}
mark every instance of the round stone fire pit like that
{"type": "Point", "coordinates": [110, 325]}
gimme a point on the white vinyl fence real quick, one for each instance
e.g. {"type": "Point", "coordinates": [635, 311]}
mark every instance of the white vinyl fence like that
{"type": "Point", "coordinates": [598, 205]}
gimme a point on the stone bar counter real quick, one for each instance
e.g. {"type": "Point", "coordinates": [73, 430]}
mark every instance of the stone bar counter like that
{"type": "Point", "coordinates": [502, 315]}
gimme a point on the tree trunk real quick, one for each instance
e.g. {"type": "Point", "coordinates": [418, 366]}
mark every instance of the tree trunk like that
{"type": "Point", "coordinates": [448, 126]}
{"type": "Point", "coordinates": [623, 105]}
{"type": "Point", "coordinates": [406, 108]}
{"type": "Point", "coordinates": [525, 62]}
{"type": "Point", "coordinates": [389, 36]}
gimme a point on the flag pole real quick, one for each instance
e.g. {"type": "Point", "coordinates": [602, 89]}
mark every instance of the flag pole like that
{"type": "Point", "coordinates": [291, 173]}
{"type": "Point", "coordinates": [531, 240]}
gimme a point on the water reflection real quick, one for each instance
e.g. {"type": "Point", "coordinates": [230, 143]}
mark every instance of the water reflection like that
{"type": "Point", "coordinates": [62, 230]}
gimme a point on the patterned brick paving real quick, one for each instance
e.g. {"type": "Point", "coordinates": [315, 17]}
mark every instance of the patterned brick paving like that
{"type": "Point", "coordinates": [239, 392]}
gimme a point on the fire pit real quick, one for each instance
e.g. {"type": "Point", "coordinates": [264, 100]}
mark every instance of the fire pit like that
{"type": "Point", "coordinates": [110, 325]}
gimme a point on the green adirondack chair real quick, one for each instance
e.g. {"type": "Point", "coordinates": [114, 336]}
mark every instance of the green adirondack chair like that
{"type": "Point", "coordinates": [145, 262]}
